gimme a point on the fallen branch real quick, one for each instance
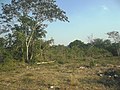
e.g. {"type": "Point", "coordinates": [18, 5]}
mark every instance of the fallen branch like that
{"type": "Point", "coordinates": [38, 63]}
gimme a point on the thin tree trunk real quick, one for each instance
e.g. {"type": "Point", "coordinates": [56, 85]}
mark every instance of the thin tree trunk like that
{"type": "Point", "coordinates": [27, 58]}
{"type": "Point", "coordinates": [22, 53]}
{"type": "Point", "coordinates": [28, 40]}
{"type": "Point", "coordinates": [119, 48]}
{"type": "Point", "coordinates": [31, 57]}
{"type": "Point", "coordinates": [118, 51]}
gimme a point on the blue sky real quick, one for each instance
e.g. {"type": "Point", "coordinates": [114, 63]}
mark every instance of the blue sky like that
{"type": "Point", "coordinates": [86, 17]}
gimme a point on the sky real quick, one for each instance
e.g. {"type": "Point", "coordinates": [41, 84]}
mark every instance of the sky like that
{"type": "Point", "coordinates": [87, 17]}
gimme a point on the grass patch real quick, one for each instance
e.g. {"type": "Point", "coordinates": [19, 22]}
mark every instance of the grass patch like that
{"type": "Point", "coordinates": [62, 76]}
{"type": "Point", "coordinates": [27, 80]}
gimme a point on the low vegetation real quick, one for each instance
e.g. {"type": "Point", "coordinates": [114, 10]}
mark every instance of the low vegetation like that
{"type": "Point", "coordinates": [72, 75]}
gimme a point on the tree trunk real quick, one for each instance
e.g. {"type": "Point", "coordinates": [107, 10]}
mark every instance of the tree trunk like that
{"type": "Point", "coordinates": [118, 51]}
{"type": "Point", "coordinates": [23, 53]}
{"type": "Point", "coordinates": [28, 40]}
{"type": "Point", "coordinates": [27, 54]}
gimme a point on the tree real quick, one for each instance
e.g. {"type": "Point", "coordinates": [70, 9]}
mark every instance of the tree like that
{"type": "Point", "coordinates": [29, 18]}
{"type": "Point", "coordinates": [116, 39]}
{"type": "Point", "coordinates": [98, 43]}
{"type": "Point", "coordinates": [77, 43]}
{"type": "Point", "coordinates": [107, 43]}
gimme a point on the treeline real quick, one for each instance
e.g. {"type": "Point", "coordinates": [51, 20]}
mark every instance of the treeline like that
{"type": "Point", "coordinates": [46, 51]}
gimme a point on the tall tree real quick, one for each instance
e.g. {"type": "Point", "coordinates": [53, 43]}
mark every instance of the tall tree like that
{"type": "Point", "coordinates": [31, 17]}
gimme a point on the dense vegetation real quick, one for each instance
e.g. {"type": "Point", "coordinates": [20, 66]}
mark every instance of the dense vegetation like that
{"type": "Point", "coordinates": [46, 51]}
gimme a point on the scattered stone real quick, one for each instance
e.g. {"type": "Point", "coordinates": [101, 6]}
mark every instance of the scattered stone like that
{"type": "Point", "coordinates": [109, 76]}
{"type": "Point", "coordinates": [116, 76]}
{"type": "Point", "coordinates": [100, 74]}
{"type": "Point", "coordinates": [118, 66]}
{"type": "Point", "coordinates": [51, 86]}
{"type": "Point", "coordinates": [54, 87]}
{"type": "Point", "coordinates": [110, 65]}
{"type": "Point", "coordinates": [27, 67]}
{"type": "Point", "coordinates": [82, 67]}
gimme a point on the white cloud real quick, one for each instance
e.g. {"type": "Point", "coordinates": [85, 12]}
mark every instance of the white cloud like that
{"type": "Point", "coordinates": [105, 8]}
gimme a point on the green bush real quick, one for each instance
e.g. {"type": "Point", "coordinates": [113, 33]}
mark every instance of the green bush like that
{"type": "Point", "coordinates": [8, 65]}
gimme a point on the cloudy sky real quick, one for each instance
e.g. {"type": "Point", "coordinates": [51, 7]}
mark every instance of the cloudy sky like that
{"type": "Point", "coordinates": [86, 17]}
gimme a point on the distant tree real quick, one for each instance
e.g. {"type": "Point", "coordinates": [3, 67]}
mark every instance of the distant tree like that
{"type": "Point", "coordinates": [91, 40]}
{"type": "Point", "coordinates": [98, 43]}
{"type": "Point", "coordinates": [116, 39]}
{"type": "Point", "coordinates": [77, 49]}
{"type": "Point", "coordinates": [107, 43]}
{"type": "Point", "coordinates": [26, 20]}
{"type": "Point", "coordinates": [77, 43]}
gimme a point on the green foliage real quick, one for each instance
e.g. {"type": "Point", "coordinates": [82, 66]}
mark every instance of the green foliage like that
{"type": "Point", "coordinates": [77, 43]}
{"type": "Point", "coordinates": [29, 26]}
{"type": "Point", "coordinates": [115, 36]}
{"type": "Point", "coordinates": [97, 52]}
{"type": "Point", "coordinates": [2, 42]}
{"type": "Point", "coordinates": [60, 62]}
{"type": "Point", "coordinates": [5, 55]}
{"type": "Point", "coordinates": [8, 65]}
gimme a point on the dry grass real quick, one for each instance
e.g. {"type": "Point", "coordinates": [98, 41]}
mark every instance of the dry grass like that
{"type": "Point", "coordinates": [69, 76]}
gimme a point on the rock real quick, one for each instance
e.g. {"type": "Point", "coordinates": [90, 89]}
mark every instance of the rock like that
{"type": "Point", "coordinates": [82, 67]}
{"type": "Point", "coordinates": [51, 87]}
